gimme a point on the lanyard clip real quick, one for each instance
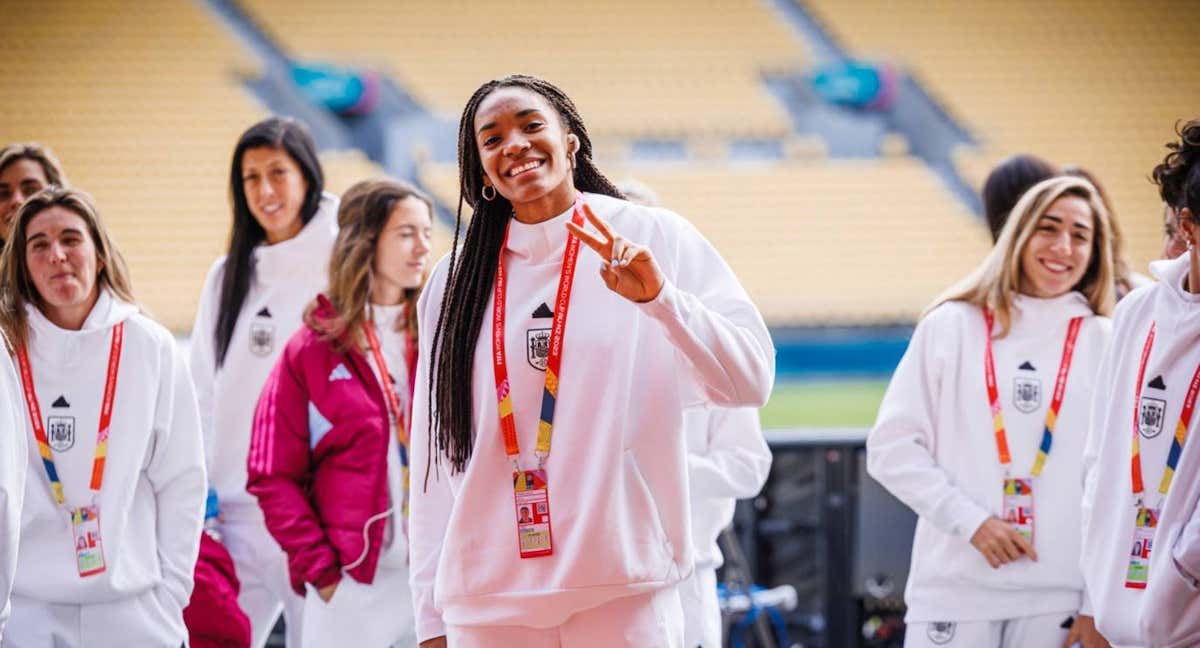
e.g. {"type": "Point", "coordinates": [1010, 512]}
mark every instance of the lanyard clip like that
{"type": "Point", "coordinates": [516, 464]}
{"type": "Point", "coordinates": [541, 459]}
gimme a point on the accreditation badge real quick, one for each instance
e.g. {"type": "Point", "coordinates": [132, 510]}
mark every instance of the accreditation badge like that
{"type": "Point", "coordinates": [1144, 527]}
{"type": "Point", "coordinates": [532, 499]}
{"type": "Point", "coordinates": [1018, 505]}
{"type": "Point", "coordinates": [89, 550]}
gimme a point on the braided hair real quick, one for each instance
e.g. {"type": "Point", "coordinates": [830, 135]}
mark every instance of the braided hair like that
{"type": "Point", "coordinates": [472, 272]}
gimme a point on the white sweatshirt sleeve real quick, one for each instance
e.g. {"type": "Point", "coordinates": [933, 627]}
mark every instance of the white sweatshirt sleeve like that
{"type": "Point", "coordinates": [202, 359]}
{"type": "Point", "coordinates": [13, 464]}
{"type": "Point", "coordinates": [176, 473]}
{"type": "Point", "coordinates": [711, 321]}
{"type": "Point", "coordinates": [1102, 397]}
{"type": "Point", "coordinates": [430, 497]}
{"type": "Point", "coordinates": [737, 460]}
{"type": "Point", "coordinates": [900, 446]}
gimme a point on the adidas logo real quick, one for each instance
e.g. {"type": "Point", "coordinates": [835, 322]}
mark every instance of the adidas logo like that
{"type": "Point", "coordinates": [61, 401]}
{"type": "Point", "coordinates": [1027, 366]}
{"type": "Point", "coordinates": [543, 312]}
{"type": "Point", "coordinates": [1157, 383]}
{"type": "Point", "coordinates": [339, 372]}
{"type": "Point", "coordinates": [264, 312]}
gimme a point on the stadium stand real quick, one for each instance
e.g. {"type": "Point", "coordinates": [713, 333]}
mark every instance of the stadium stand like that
{"type": "Point", "coordinates": [819, 241]}
{"type": "Point", "coordinates": [656, 70]}
{"type": "Point", "coordinates": [141, 103]}
{"type": "Point", "coordinates": [1102, 88]}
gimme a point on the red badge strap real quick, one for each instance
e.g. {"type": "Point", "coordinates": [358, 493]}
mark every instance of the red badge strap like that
{"type": "Point", "coordinates": [1060, 388]}
{"type": "Point", "coordinates": [1181, 428]}
{"type": "Point", "coordinates": [106, 406]}
{"type": "Point", "coordinates": [562, 304]}
{"type": "Point", "coordinates": [395, 410]}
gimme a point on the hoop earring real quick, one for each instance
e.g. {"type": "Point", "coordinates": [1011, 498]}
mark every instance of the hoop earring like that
{"type": "Point", "coordinates": [484, 193]}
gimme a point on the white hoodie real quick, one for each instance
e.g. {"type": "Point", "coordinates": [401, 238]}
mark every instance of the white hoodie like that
{"type": "Point", "coordinates": [1108, 497]}
{"type": "Point", "coordinates": [13, 465]}
{"type": "Point", "coordinates": [728, 459]}
{"type": "Point", "coordinates": [287, 276]}
{"type": "Point", "coordinates": [617, 471]}
{"type": "Point", "coordinates": [933, 447]}
{"type": "Point", "coordinates": [152, 500]}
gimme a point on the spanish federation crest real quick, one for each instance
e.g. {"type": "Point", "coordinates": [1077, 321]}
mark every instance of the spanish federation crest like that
{"type": "Point", "coordinates": [537, 347]}
{"type": "Point", "coordinates": [1151, 412]}
{"type": "Point", "coordinates": [262, 338]}
{"type": "Point", "coordinates": [941, 632]}
{"type": "Point", "coordinates": [1027, 394]}
{"type": "Point", "coordinates": [61, 432]}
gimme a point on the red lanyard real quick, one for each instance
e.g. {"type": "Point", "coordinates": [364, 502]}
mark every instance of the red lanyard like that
{"type": "Point", "coordinates": [1181, 428]}
{"type": "Point", "coordinates": [389, 388]}
{"type": "Point", "coordinates": [1060, 388]}
{"type": "Point", "coordinates": [106, 405]}
{"type": "Point", "coordinates": [562, 304]}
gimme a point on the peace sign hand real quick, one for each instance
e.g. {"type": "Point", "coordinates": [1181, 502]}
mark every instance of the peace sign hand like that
{"type": "Point", "coordinates": [628, 269]}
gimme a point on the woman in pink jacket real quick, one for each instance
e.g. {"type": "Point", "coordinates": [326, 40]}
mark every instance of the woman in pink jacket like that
{"type": "Point", "coordinates": [328, 457]}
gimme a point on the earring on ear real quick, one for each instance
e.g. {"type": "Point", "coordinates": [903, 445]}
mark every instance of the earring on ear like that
{"type": "Point", "coordinates": [484, 192]}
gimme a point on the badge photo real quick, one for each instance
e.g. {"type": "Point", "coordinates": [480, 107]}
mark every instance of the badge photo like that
{"type": "Point", "coordinates": [262, 338]}
{"type": "Point", "coordinates": [1151, 413]}
{"type": "Point", "coordinates": [941, 632]}
{"type": "Point", "coordinates": [1027, 394]}
{"type": "Point", "coordinates": [537, 347]}
{"type": "Point", "coordinates": [61, 432]}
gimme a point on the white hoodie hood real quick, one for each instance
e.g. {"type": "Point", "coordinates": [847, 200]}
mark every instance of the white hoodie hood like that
{"type": "Point", "coordinates": [152, 500]}
{"type": "Point", "coordinates": [1109, 505]}
{"type": "Point", "coordinates": [287, 276]}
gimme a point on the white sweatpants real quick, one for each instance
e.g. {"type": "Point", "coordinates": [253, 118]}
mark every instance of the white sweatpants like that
{"type": "Point", "coordinates": [701, 609]}
{"type": "Point", "coordinates": [379, 615]}
{"type": "Point", "coordinates": [263, 572]}
{"type": "Point", "coordinates": [142, 620]}
{"type": "Point", "coordinates": [1044, 631]}
{"type": "Point", "coordinates": [653, 620]}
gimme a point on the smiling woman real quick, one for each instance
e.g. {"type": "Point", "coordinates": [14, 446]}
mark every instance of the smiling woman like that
{"type": "Point", "coordinates": [981, 431]}
{"type": "Point", "coordinates": [657, 322]}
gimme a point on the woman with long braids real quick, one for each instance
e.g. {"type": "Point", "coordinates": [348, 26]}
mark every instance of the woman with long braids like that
{"type": "Point", "coordinates": [574, 426]}
{"type": "Point", "coordinates": [283, 230]}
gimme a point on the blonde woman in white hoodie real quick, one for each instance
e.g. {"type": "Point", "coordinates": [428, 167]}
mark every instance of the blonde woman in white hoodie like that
{"type": "Point", "coordinates": [982, 428]}
{"type": "Point", "coordinates": [550, 493]}
{"type": "Point", "coordinates": [1142, 465]}
{"type": "Point", "coordinates": [114, 498]}
{"type": "Point", "coordinates": [13, 464]}
{"type": "Point", "coordinates": [283, 230]}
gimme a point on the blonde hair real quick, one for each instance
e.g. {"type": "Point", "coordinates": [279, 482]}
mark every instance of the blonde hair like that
{"type": "Point", "coordinates": [363, 214]}
{"type": "Point", "coordinates": [16, 286]}
{"type": "Point", "coordinates": [994, 283]}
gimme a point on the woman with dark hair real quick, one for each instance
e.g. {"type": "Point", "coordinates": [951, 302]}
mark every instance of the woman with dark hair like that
{"type": "Point", "coordinates": [328, 461]}
{"type": "Point", "coordinates": [1006, 184]}
{"type": "Point", "coordinates": [114, 498]}
{"type": "Point", "coordinates": [1140, 554]}
{"type": "Point", "coordinates": [254, 296]}
{"type": "Point", "coordinates": [588, 431]}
